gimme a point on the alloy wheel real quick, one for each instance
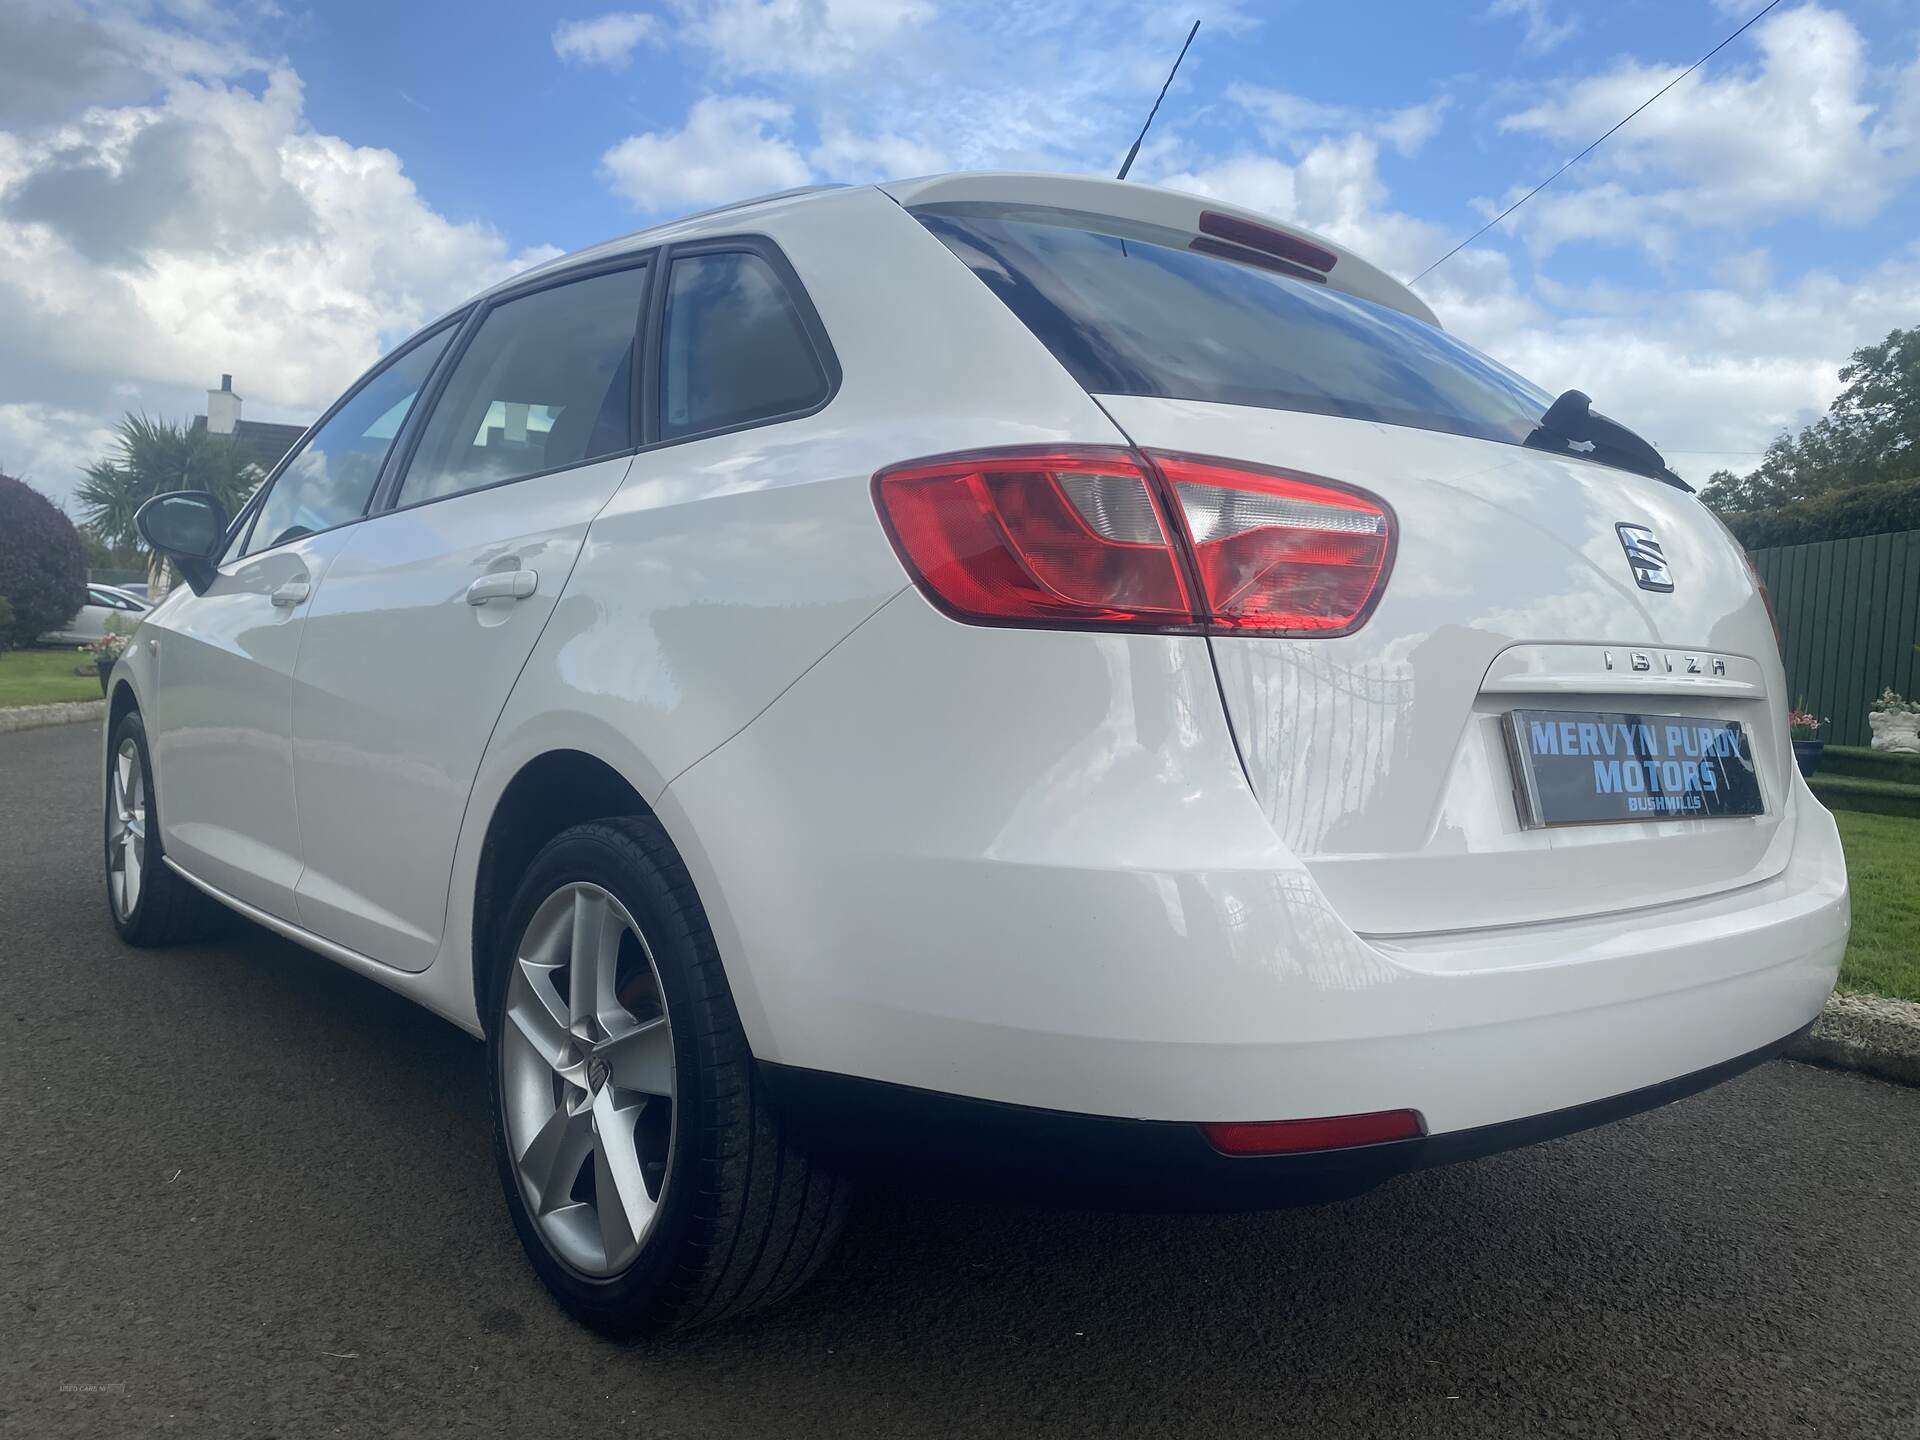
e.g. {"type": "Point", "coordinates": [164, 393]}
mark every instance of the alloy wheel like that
{"type": "Point", "coordinates": [587, 1079]}
{"type": "Point", "coordinates": [126, 828]}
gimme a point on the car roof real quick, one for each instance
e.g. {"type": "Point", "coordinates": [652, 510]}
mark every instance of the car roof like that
{"type": "Point", "coordinates": [1094, 195]}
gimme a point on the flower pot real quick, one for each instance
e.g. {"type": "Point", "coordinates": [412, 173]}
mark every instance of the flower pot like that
{"type": "Point", "coordinates": [1901, 734]}
{"type": "Point", "coordinates": [1807, 755]}
{"type": "Point", "coordinates": [104, 664]}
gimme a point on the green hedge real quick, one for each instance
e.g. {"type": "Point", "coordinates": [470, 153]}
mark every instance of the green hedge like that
{"type": "Point", "coordinates": [1863, 510]}
{"type": "Point", "coordinates": [1875, 797]}
{"type": "Point", "coordinates": [1862, 763]}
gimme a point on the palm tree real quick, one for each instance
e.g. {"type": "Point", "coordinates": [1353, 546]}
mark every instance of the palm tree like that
{"type": "Point", "coordinates": [151, 457]}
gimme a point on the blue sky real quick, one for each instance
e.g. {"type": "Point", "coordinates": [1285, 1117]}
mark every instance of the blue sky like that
{"type": "Point", "coordinates": [282, 191]}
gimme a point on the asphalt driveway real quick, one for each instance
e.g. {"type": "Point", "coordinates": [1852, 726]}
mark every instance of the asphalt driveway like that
{"type": "Point", "coordinates": [243, 1192]}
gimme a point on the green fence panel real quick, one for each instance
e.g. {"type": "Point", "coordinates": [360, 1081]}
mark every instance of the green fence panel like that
{"type": "Point", "coordinates": [1849, 621]}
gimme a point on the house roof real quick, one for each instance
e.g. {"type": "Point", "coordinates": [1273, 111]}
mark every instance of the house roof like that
{"type": "Point", "coordinates": [264, 441]}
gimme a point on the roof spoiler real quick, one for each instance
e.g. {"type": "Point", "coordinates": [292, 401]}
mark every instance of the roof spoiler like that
{"type": "Point", "coordinates": [1219, 228]}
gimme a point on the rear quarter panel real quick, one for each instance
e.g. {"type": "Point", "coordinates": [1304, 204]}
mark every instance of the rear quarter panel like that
{"type": "Point", "coordinates": [726, 566]}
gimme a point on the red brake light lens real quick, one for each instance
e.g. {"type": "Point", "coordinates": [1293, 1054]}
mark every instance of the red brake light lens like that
{"type": "Point", "coordinates": [1106, 537]}
{"type": "Point", "coordinates": [1296, 248]}
{"type": "Point", "coordinates": [1333, 1132]}
{"type": "Point", "coordinates": [1277, 553]}
{"type": "Point", "coordinates": [1069, 537]}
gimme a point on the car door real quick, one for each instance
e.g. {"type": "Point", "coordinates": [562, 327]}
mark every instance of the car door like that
{"type": "Point", "coordinates": [223, 661]}
{"type": "Point", "coordinates": [434, 604]}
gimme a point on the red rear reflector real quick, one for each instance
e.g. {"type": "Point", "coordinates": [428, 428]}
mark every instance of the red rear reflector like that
{"type": "Point", "coordinates": [1334, 1132]}
{"type": "Point", "coordinates": [1082, 536]}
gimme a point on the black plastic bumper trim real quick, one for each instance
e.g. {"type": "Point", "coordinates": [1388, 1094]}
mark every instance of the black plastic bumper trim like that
{"type": "Point", "coordinates": [1155, 1163]}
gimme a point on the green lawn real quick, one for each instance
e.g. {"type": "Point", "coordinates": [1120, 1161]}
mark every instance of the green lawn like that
{"type": "Point", "coordinates": [43, 677]}
{"type": "Point", "coordinates": [1883, 867]}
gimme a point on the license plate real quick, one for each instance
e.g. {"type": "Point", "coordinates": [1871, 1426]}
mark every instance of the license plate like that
{"type": "Point", "coordinates": [1594, 767]}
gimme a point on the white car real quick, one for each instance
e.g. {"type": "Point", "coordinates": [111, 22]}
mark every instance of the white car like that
{"type": "Point", "coordinates": [1048, 678]}
{"type": "Point", "coordinates": [89, 622]}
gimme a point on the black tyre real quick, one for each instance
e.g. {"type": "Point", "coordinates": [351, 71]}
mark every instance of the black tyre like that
{"type": "Point", "coordinates": [650, 1182]}
{"type": "Point", "coordinates": [150, 905]}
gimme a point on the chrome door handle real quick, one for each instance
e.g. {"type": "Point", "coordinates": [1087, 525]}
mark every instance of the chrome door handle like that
{"type": "Point", "coordinates": [503, 585]}
{"type": "Point", "coordinates": [291, 593]}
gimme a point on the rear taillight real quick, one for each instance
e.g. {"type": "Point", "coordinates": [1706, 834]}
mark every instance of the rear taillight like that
{"type": "Point", "coordinates": [1278, 553]}
{"type": "Point", "coordinates": [1106, 537]}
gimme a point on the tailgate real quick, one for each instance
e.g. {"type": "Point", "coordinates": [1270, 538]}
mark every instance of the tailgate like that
{"type": "Point", "coordinates": [1381, 757]}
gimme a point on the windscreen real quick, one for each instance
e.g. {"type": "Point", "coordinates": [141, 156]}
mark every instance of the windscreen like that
{"type": "Point", "coordinates": [1130, 310]}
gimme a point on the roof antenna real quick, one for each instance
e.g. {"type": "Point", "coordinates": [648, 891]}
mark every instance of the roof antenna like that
{"type": "Point", "coordinates": [1127, 164]}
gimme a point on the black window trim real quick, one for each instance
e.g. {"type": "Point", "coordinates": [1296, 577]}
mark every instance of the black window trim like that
{"type": "Point", "coordinates": [810, 324]}
{"type": "Point", "coordinates": [386, 494]}
{"type": "Point", "coordinates": [242, 527]}
{"type": "Point", "coordinates": [643, 421]}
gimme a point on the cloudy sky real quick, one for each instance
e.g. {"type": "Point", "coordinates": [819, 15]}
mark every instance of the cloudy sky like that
{"type": "Point", "coordinates": [284, 190]}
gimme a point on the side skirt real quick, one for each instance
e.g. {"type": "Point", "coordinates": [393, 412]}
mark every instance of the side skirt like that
{"type": "Point", "coordinates": [425, 987]}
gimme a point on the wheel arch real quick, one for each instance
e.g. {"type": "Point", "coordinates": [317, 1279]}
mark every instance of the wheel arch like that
{"type": "Point", "coordinates": [550, 792]}
{"type": "Point", "coordinates": [120, 702]}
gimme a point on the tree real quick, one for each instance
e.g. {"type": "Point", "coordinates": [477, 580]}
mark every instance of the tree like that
{"type": "Point", "coordinates": [43, 567]}
{"type": "Point", "coordinates": [102, 556]}
{"type": "Point", "coordinates": [152, 457]}
{"type": "Point", "coordinates": [1868, 436]}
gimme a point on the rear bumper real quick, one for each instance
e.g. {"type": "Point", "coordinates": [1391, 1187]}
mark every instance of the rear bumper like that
{"type": "Point", "coordinates": [1025, 867]}
{"type": "Point", "coordinates": [1106, 1162]}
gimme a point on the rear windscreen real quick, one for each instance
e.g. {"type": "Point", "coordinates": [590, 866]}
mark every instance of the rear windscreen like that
{"type": "Point", "coordinates": [1146, 316]}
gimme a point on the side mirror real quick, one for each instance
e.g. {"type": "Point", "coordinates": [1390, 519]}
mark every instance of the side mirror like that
{"type": "Point", "coordinates": [187, 527]}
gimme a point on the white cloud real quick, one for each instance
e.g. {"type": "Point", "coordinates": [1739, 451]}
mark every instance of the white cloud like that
{"type": "Point", "coordinates": [55, 54]}
{"type": "Point", "coordinates": [1408, 130]}
{"type": "Point", "coordinates": [894, 87]}
{"type": "Point", "coordinates": [1795, 133]}
{"type": "Point", "coordinates": [799, 37]}
{"type": "Point", "coordinates": [146, 248]}
{"type": "Point", "coordinates": [849, 158]}
{"type": "Point", "coordinates": [729, 148]}
{"type": "Point", "coordinates": [608, 40]}
{"type": "Point", "coordinates": [1291, 120]}
{"type": "Point", "coordinates": [1543, 32]}
{"type": "Point", "coordinates": [49, 446]}
{"type": "Point", "coordinates": [1745, 270]}
{"type": "Point", "coordinates": [1718, 370]}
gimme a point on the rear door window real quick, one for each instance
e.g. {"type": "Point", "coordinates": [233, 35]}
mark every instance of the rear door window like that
{"type": "Point", "coordinates": [738, 347]}
{"type": "Point", "coordinates": [545, 383]}
{"type": "Point", "coordinates": [1132, 310]}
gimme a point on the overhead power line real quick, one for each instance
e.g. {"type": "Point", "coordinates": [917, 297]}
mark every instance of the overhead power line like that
{"type": "Point", "coordinates": [1595, 145]}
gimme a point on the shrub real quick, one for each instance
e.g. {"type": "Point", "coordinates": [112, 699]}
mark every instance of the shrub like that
{"type": "Point", "coordinates": [6, 624]}
{"type": "Point", "coordinates": [1837, 515]}
{"type": "Point", "coordinates": [43, 565]}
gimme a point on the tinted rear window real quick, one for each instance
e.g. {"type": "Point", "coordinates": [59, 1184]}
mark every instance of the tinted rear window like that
{"type": "Point", "coordinates": [737, 350]}
{"type": "Point", "coordinates": [1131, 315]}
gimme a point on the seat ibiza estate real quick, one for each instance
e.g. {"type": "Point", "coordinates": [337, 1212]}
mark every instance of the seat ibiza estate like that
{"type": "Point", "coordinates": [1075, 684]}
